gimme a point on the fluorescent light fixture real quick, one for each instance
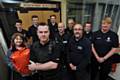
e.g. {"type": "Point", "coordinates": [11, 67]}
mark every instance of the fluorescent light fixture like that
{"type": "Point", "coordinates": [12, 1]}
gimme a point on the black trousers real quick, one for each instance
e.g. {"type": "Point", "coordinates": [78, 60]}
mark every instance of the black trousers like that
{"type": "Point", "coordinates": [100, 70]}
{"type": "Point", "coordinates": [43, 76]}
{"type": "Point", "coordinates": [65, 73]}
{"type": "Point", "coordinates": [80, 75]}
{"type": "Point", "coordinates": [17, 76]}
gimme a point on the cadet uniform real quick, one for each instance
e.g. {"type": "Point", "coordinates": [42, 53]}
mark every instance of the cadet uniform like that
{"type": "Point", "coordinates": [45, 53]}
{"type": "Point", "coordinates": [103, 43]}
{"type": "Point", "coordinates": [63, 40]}
{"type": "Point", "coordinates": [79, 55]}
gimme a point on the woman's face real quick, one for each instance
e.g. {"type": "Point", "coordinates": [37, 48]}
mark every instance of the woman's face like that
{"type": "Point", "coordinates": [18, 41]}
{"type": "Point", "coordinates": [105, 26]}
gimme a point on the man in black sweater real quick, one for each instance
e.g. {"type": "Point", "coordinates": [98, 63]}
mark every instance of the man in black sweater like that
{"type": "Point", "coordinates": [32, 31]}
{"type": "Point", "coordinates": [53, 26]}
{"type": "Point", "coordinates": [19, 29]}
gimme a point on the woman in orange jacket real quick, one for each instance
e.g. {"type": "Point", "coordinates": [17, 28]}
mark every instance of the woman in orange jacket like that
{"type": "Point", "coordinates": [18, 58]}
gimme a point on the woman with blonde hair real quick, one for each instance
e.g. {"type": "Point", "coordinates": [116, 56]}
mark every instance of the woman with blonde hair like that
{"type": "Point", "coordinates": [104, 44]}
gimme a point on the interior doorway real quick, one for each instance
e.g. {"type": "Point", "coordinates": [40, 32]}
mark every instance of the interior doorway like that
{"type": "Point", "coordinates": [43, 14]}
{"type": "Point", "coordinates": [43, 17]}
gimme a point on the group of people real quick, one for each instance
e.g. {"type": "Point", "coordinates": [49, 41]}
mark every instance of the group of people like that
{"type": "Point", "coordinates": [54, 52]}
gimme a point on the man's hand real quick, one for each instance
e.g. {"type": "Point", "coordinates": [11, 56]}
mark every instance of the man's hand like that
{"type": "Point", "coordinates": [100, 59]}
{"type": "Point", "coordinates": [72, 67]}
{"type": "Point", "coordinates": [32, 66]}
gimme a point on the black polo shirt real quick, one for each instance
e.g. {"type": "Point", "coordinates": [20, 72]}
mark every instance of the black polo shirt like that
{"type": "Point", "coordinates": [62, 40]}
{"type": "Point", "coordinates": [45, 53]}
{"type": "Point", "coordinates": [104, 42]}
{"type": "Point", "coordinates": [79, 52]}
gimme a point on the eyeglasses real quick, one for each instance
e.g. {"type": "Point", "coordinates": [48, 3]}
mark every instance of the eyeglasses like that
{"type": "Point", "coordinates": [78, 29]}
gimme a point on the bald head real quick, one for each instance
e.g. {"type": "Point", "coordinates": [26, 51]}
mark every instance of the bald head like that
{"type": "Point", "coordinates": [78, 26]}
{"type": "Point", "coordinates": [71, 23]}
{"type": "Point", "coordinates": [61, 24]}
{"type": "Point", "coordinates": [78, 30]}
{"type": "Point", "coordinates": [61, 27]}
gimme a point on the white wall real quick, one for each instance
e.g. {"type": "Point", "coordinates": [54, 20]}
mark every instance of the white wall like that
{"type": "Point", "coordinates": [119, 33]}
{"type": "Point", "coordinates": [2, 42]}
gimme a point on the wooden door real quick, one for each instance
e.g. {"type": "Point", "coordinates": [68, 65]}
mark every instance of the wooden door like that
{"type": "Point", "coordinates": [43, 15]}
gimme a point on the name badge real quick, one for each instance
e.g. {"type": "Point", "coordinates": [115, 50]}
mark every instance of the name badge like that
{"type": "Point", "coordinates": [64, 42]}
{"type": "Point", "coordinates": [98, 38]}
{"type": "Point", "coordinates": [80, 47]}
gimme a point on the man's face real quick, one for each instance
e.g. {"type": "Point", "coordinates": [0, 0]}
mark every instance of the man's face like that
{"type": "Point", "coordinates": [71, 23]}
{"type": "Point", "coordinates": [61, 27]}
{"type": "Point", "coordinates": [78, 31]}
{"type": "Point", "coordinates": [18, 25]}
{"type": "Point", "coordinates": [43, 33]}
{"type": "Point", "coordinates": [35, 21]}
{"type": "Point", "coordinates": [53, 19]}
{"type": "Point", "coordinates": [105, 26]}
{"type": "Point", "coordinates": [88, 27]}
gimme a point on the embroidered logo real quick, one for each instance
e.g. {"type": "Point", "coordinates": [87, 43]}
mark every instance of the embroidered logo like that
{"type": "Point", "coordinates": [108, 39]}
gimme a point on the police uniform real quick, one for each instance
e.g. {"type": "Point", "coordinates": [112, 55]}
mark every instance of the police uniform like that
{"type": "Point", "coordinates": [63, 41]}
{"type": "Point", "coordinates": [79, 55]}
{"type": "Point", "coordinates": [103, 43]}
{"type": "Point", "coordinates": [45, 53]}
